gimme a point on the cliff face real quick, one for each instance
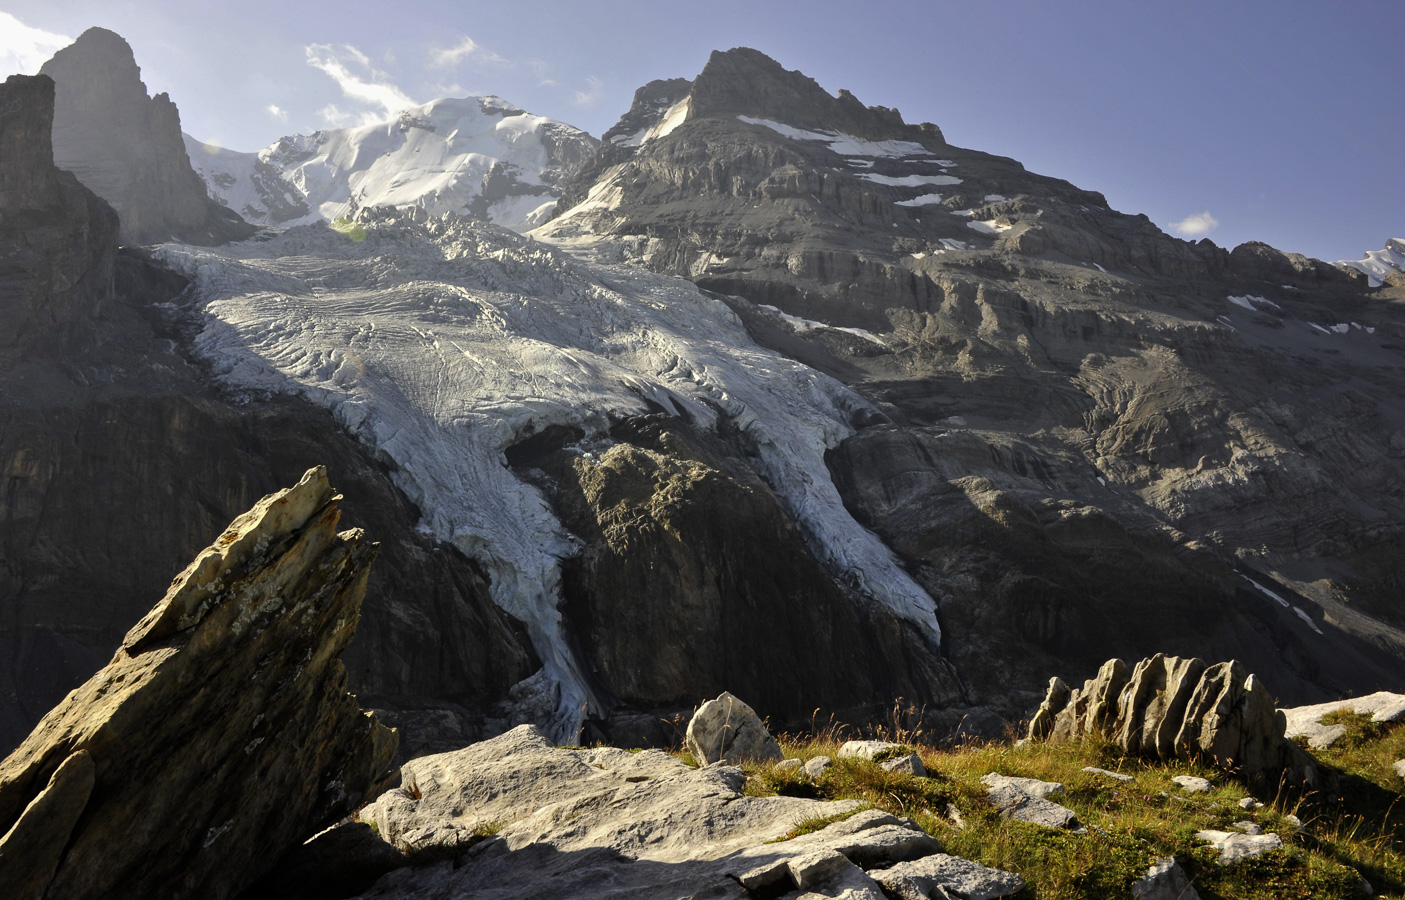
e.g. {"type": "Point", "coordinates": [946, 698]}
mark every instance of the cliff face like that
{"type": "Point", "coordinates": [1099, 436]}
{"type": "Point", "coordinates": [57, 239]}
{"type": "Point", "coordinates": [127, 147]}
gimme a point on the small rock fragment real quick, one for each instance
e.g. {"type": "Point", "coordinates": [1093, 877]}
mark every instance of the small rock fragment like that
{"type": "Point", "coordinates": [910, 764]}
{"type": "Point", "coordinates": [1165, 880]}
{"type": "Point", "coordinates": [1250, 803]}
{"type": "Point", "coordinates": [790, 765]}
{"type": "Point", "coordinates": [1116, 776]}
{"type": "Point", "coordinates": [810, 869]}
{"type": "Point", "coordinates": [1400, 767]}
{"type": "Point", "coordinates": [817, 766]}
{"type": "Point", "coordinates": [763, 877]}
{"type": "Point", "coordinates": [1192, 784]}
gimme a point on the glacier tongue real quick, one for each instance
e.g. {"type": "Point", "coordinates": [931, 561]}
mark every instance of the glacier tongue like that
{"type": "Point", "coordinates": [440, 342]}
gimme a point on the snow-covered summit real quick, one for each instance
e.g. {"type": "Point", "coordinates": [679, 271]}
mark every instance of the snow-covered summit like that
{"type": "Point", "coordinates": [441, 342]}
{"type": "Point", "coordinates": [1381, 266]}
{"type": "Point", "coordinates": [477, 156]}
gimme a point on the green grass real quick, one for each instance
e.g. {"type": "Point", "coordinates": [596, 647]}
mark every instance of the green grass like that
{"type": "Point", "coordinates": [1130, 824]}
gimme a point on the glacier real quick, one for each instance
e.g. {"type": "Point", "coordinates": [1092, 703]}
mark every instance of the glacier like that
{"type": "Point", "coordinates": [439, 342]}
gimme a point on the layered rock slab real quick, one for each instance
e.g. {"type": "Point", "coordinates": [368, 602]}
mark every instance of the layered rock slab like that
{"type": "Point", "coordinates": [605, 822]}
{"type": "Point", "coordinates": [220, 734]}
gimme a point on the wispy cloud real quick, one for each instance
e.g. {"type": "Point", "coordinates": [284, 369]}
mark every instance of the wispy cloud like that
{"type": "Point", "coordinates": [441, 58]}
{"type": "Point", "coordinates": [278, 112]}
{"type": "Point", "coordinates": [23, 49]}
{"type": "Point", "coordinates": [1196, 225]}
{"type": "Point", "coordinates": [591, 92]}
{"type": "Point", "coordinates": [360, 81]}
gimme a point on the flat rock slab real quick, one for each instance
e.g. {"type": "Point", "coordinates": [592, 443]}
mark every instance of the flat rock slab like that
{"type": "Point", "coordinates": [1192, 784]}
{"type": "Point", "coordinates": [1165, 880]}
{"type": "Point", "coordinates": [1306, 721]}
{"type": "Point", "coordinates": [1234, 846]}
{"type": "Point", "coordinates": [1032, 786]}
{"type": "Point", "coordinates": [1115, 776]}
{"type": "Point", "coordinates": [930, 876]}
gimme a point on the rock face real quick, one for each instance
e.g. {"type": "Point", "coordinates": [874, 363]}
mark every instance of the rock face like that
{"type": "Point", "coordinates": [609, 823]}
{"type": "Point", "coordinates": [57, 239]}
{"type": "Point", "coordinates": [127, 147]}
{"type": "Point", "coordinates": [219, 735]}
{"type": "Point", "coordinates": [1099, 436]}
{"type": "Point", "coordinates": [1172, 708]}
{"type": "Point", "coordinates": [727, 730]}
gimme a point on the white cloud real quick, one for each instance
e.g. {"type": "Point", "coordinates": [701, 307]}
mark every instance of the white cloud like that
{"type": "Point", "coordinates": [278, 112]}
{"type": "Point", "coordinates": [593, 88]}
{"type": "Point", "coordinates": [360, 82]}
{"type": "Point", "coordinates": [23, 49]}
{"type": "Point", "coordinates": [1196, 225]}
{"type": "Point", "coordinates": [447, 58]}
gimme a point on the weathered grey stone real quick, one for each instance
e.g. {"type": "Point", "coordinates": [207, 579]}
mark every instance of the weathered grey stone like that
{"type": "Point", "coordinates": [1192, 784]}
{"type": "Point", "coordinates": [941, 875]}
{"type": "Point", "coordinates": [1400, 767]}
{"type": "Point", "coordinates": [1091, 708]}
{"type": "Point", "coordinates": [1152, 706]}
{"type": "Point", "coordinates": [1247, 827]}
{"type": "Point", "coordinates": [763, 877]}
{"type": "Point", "coordinates": [1165, 880]}
{"type": "Point", "coordinates": [1016, 803]}
{"type": "Point", "coordinates": [849, 882]}
{"type": "Point", "coordinates": [1055, 699]}
{"type": "Point", "coordinates": [809, 869]}
{"type": "Point", "coordinates": [907, 764]}
{"type": "Point", "coordinates": [1306, 721]}
{"type": "Point", "coordinates": [869, 750]}
{"type": "Point", "coordinates": [1234, 845]}
{"type": "Point", "coordinates": [727, 730]}
{"type": "Point", "coordinates": [1249, 803]}
{"type": "Point", "coordinates": [817, 766]}
{"type": "Point", "coordinates": [790, 765]}
{"type": "Point", "coordinates": [221, 733]}
{"type": "Point", "coordinates": [1115, 776]}
{"type": "Point", "coordinates": [1032, 786]}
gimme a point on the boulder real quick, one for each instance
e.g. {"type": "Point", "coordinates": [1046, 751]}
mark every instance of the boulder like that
{"type": "Point", "coordinates": [1032, 786]}
{"type": "Point", "coordinates": [1400, 767]}
{"type": "Point", "coordinates": [1306, 721]}
{"type": "Point", "coordinates": [1013, 797]}
{"type": "Point", "coordinates": [818, 766]}
{"type": "Point", "coordinates": [1165, 880]}
{"type": "Point", "coordinates": [1192, 784]}
{"type": "Point", "coordinates": [220, 734]}
{"type": "Point", "coordinates": [727, 730]}
{"type": "Point", "coordinates": [889, 756]}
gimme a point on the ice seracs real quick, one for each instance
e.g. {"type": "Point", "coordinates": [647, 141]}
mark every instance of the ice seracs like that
{"type": "Point", "coordinates": [440, 342]}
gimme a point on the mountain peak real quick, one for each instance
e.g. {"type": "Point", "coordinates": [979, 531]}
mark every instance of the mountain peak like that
{"type": "Point", "coordinates": [746, 81]}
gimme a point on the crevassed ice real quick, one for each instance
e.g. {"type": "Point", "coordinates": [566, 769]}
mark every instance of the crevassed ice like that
{"type": "Point", "coordinates": [439, 343]}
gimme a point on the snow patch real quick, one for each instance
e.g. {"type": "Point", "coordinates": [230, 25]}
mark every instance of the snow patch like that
{"type": "Point", "coordinates": [989, 226]}
{"type": "Point", "coordinates": [1307, 618]}
{"type": "Point", "coordinates": [910, 180]}
{"type": "Point", "coordinates": [923, 200]}
{"type": "Point", "coordinates": [844, 144]}
{"type": "Point", "coordinates": [1266, 592]}
{"type": "Point", "coordinates": [1378, 265]}
{"type": "Point", "coordinates": [954, 244]}
{"type": "Point", "coordinates": [995, 198]}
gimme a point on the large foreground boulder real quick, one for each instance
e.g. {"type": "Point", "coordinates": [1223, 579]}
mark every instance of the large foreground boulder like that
{"type": "Point", "coordinates": [1171, 708]}
{"type": "Point", "coordinates": [220, 734]}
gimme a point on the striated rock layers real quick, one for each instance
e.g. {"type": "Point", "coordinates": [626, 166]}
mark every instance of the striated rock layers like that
{"type": "Point", "coordinates": [127, 146]}
{"type": "Point", "coordinates": [57, 238]}
{"type": "Point", "coordinates": [1100, 439]}
{"type": "Point", "coordinates": [219, 735]}
{"type": "Point", "coordinates": [1172, 708]}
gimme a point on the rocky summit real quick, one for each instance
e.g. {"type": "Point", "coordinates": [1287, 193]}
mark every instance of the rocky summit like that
{"type": "Point", "coordinates": [127, 148]}
{"type": "Point", "coordinates": [219, 735]}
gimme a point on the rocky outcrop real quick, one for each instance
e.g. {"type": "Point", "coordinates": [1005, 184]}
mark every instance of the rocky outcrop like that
{"type": "Point", "coordinates": [727, 730]}
{"type": "Point", "coordinates": [1173, 708]}
{"type": "Point", "coordinates": [520, 818]}
{"type": "Point", "coordinates": [219, 735]}
{"type": "Point", "coordinates": [58, 241]}
{"type": "Point", "coordinates": [1306, 722]}
{"type": "Point", "coordinates": [127, 147]}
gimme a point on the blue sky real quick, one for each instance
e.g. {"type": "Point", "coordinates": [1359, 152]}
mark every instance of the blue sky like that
{"type": "Point", "coordinates": [1279, 121]}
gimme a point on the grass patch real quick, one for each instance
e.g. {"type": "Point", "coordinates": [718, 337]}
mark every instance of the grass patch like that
{"type": "Point", "coordinates": [1130, 824]}
{"type": "Point", "coordinates": [349, 229]}
{"type": "Point", "coordinates": [815, 823]}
